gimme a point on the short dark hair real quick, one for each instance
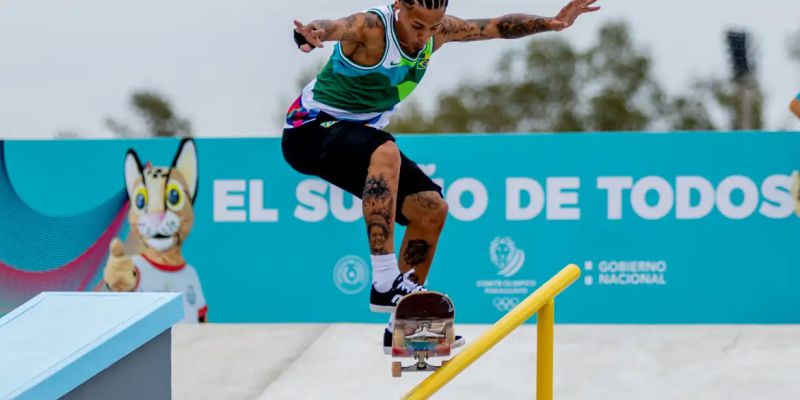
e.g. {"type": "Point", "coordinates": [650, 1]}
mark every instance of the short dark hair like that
{"type": "Point", "coordinates": [429, 4]}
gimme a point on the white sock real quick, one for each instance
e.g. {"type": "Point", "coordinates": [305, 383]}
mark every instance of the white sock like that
{"type": "Point", "coordinates": [384, 271]}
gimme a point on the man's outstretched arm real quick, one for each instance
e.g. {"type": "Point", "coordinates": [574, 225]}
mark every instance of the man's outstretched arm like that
{"type": "Point", "coordinates": [350, 29]}
{"type": "Point", "coordinates": [510, 26]}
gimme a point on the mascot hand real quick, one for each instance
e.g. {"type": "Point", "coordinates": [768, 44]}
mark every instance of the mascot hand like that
{"type": "Point", "coordinates": [119, 274]}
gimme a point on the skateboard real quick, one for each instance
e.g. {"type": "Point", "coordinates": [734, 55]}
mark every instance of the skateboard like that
{"type": "Point", "coordinates": [423, 329]}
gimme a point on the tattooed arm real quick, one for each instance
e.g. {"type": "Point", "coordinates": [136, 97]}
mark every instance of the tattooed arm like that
{"type": "Point", "coordinates": [510, 26]}
{"type": "Point", "coordinates": [354, 28]}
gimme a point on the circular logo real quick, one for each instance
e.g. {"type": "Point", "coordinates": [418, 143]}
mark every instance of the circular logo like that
{"type": "Point", "coordinates": [351, 275]}
{"type": "Point", "coordinates": [505, 255]}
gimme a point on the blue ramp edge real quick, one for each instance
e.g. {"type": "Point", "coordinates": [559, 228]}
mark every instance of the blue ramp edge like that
{"type": "Point", "coordinates": [56, 341]}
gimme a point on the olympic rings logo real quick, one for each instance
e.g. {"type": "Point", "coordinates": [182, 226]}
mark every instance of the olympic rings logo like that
{"type": "Point", "coordinates": [505, 304]}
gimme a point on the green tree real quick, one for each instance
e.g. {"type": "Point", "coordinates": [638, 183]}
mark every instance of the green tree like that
{"type": "Point", "coordinates": [157, 114]}
{"type": "Point", "coordinates": [742, 102]}
{"type": "Point", "coordinates": [739, 99]}
{"type": "Point", "coordinates": [627, 94]}
{"type": "Point", "coordinates": [688, 112]}
{"type": "Point", "coordinates": [552, 86]}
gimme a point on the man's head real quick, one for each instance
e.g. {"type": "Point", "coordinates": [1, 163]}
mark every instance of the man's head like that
{"type": "Point", "coordinates": [418, 20]}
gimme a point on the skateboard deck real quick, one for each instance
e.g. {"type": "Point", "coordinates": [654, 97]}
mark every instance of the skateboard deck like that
{"type": "Point", "coordinates": [423, 329]}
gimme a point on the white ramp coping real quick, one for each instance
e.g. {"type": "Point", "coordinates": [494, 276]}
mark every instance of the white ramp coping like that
{"type": "Point", "coordinates": [57, 341]}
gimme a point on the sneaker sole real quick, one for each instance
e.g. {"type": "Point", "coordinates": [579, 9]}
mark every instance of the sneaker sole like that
{"type": "Point", "coordinates": [381, 309]}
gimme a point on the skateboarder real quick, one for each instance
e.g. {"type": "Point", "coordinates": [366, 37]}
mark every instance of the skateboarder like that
{"type": "Point", "coordinates": [334, 130]}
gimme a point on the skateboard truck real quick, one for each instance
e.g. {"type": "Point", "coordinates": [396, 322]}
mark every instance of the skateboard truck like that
{"type": "Point", "coordinates": [424, 332]}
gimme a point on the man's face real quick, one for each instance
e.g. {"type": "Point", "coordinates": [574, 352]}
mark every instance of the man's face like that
{"type": "Point", "coordinates": [416, 24]}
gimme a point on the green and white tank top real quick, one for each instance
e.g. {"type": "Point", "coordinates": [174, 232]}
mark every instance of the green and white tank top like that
{"type": "Point", "coordinates": [349, 91]}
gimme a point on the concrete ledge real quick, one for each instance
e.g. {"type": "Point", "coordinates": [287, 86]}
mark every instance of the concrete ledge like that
{"type": "Point", "coordinates": [55, 342]}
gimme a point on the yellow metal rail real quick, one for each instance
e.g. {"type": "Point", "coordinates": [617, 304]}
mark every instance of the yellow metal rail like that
{"type": "Point", "coordinates": [542, 301]}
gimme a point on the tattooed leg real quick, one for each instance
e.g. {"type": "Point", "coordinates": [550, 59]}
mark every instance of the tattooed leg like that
{"type": "Point", "coordinates": [380, 198]}
{"type": "Point", "coordinates": [426, 213]}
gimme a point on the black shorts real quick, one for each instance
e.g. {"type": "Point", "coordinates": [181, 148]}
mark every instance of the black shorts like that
{"type": "Point", "coordinates": [340, 151]}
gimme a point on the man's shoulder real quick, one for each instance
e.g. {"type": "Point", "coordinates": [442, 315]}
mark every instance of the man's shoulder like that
{"type": "Point", "coordinates": [371, 24]}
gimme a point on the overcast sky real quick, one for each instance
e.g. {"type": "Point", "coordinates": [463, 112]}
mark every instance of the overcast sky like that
{"type": "Point", "coordinates": [231, 66]}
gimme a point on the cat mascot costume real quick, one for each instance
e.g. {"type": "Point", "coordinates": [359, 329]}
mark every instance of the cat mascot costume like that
{"type": "Point", "coordinates": [161, 216]}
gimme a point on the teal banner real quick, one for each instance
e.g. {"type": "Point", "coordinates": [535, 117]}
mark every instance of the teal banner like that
{"type": "Point", "coordinates": [667, 228]}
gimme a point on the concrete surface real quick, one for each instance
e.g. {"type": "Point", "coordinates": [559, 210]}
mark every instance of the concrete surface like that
{"type": "Point", "coordinates": [595, 362]}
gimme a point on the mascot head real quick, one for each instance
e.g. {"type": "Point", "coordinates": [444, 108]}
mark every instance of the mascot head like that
{"type": "Point", "coordinates": [162, 198]}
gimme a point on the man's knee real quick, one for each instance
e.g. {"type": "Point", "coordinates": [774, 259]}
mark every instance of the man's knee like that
{"type": "Point", "coordinates": [427, 209]}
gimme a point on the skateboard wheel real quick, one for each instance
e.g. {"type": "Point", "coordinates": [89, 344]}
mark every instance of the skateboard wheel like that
{"type": "Point", "coordinates": [397, 369]}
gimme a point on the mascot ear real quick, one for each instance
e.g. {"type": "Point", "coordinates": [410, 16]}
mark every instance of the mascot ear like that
{"type": "Point", "coordinates": [133, 171]}
{"type": "Point", "coordinates": [186, 163]}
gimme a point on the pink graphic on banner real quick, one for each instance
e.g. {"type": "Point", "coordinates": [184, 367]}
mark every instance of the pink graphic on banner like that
{"type": "Point", "coordinates": [16, 285]}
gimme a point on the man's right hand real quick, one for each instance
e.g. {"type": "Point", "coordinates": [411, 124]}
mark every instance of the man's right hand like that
{"type": "Point", "coordinates": [119, 273]}
{"type": "Point", "coordinates": [794, 106]}
{"type": "Point", "coordinates": [312, 34]}
{"type": "Point", "coordinates": [570, 13]}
